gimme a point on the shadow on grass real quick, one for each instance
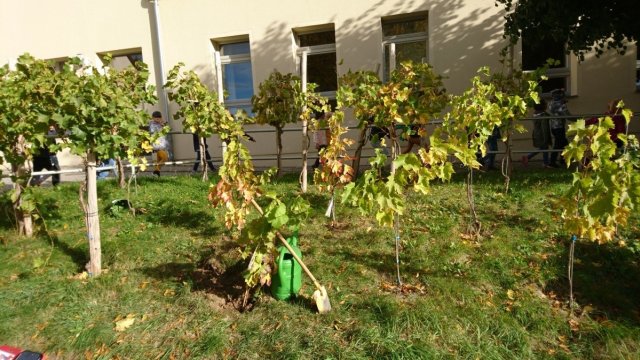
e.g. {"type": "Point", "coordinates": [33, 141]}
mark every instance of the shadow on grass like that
{"type": "Point", "coordinates": [224, 286]}
{"type": "Point", "coordinates": [606, 278]}
{"type": "Point", "coordinates": [168, 212]}
{"type": "Point", "coordinates": [80, 257]}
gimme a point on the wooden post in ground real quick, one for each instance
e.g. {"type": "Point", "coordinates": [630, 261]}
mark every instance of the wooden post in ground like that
{"type": "Point", "coordinates": [91, 218]}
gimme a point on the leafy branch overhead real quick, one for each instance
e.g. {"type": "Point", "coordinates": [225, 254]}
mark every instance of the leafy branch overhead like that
{"type": "Point", "coordinates": [582, 25]}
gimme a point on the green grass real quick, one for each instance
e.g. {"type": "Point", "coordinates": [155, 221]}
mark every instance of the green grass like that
{"type": "Point", "coordinates": [502, 297]}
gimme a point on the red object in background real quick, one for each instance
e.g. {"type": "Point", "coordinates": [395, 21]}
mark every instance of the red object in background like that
{"type": "Point", "coordinates": [12, 353]}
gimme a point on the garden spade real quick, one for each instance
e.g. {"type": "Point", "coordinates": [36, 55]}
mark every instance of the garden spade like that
{"type": "Point", "coordinates": [320, 295]}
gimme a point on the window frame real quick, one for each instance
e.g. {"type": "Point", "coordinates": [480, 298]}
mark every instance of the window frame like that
{"type": "Point", "coordinates": [568, 72]}
{"type": "Point", "coordinates": [390, 42]}
{"type": "Point", "coordinates": [121, 53]}
{"type": "Point", "coordinates": [302, 52]}
{"type": "Point", "coordinates": [221, 60]}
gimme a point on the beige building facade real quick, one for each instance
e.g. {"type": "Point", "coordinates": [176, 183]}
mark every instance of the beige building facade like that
{"type": "Point", "coordinates": [234, 45]}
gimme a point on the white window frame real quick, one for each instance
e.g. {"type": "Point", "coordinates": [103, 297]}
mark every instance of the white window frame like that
{"type": "Point", "coordinates": [393, 40]}
{"type": "Point", "coordinates": [569, 72]}
{"type": "Point", "coordinates": [302, 54]}
{"type": "Point", "coordinates": [119, 53]}
{"type": "Point", "coordinates": [220, 60]}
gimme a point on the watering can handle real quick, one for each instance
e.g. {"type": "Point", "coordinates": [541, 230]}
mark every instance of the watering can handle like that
{"type": "Point", "coordinates": [293, 253]}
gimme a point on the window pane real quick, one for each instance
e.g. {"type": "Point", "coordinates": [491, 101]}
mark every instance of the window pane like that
{"type": "Point", "coordinates": [391, 28]}
{"type": "Point", "coordinates": [320, 38]}
{"type": "Point", "coordinates": [415, 51]}
{"type": "Point", "coordinates": [235, 49]}
{"type": "Point", "coordinates": [233, 109]}
{"type": "Point", "coordinates": [123, 61]}
{"type": "Point", "coordinates": [322, 70]}
{"type": "Point", "coordinates": [134, 58]}
{"type": "Point", "coordinates": [535, 53]}
{"type": "Point", "coordinates": [237, 80]}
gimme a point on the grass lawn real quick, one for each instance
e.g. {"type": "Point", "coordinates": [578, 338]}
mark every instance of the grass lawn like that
{"type": "Point", "coordinates": [174, 273]}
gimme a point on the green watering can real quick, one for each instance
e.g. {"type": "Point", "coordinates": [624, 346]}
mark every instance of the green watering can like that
{"type": "Point", "coordinates": [288, 279]}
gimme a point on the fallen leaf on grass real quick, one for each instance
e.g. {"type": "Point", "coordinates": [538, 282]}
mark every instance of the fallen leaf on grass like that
{"type": "Point", "coordinates": [169, 292]}
{"type": "Point", "coordinates": [404, 288]}
{"type": "Point", "coordinates": [82, 276]}
{"type": "Point", "coordinates": [122, 325]}
{"type": "Point", "coordinates": [574, 325]}
{"type": "Point", "coordinates": [510, 294]}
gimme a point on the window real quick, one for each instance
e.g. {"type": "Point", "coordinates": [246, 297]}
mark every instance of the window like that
{"type": "Point", "coordinates": [122, 59]}
{"type": "Point", "coordinates": [405, 37]}
{"type": "Point", "coordinates": [58, 64]}
{"type": "Point", "coordinates": [235, 77]}
{"type": "Point", "coordinates": [317, 59]}
{"type": "Point", "coordinates": [536, 53]}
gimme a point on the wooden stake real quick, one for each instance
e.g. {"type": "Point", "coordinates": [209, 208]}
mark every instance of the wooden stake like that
{"type": "Point", "coordinates": [91, 218]}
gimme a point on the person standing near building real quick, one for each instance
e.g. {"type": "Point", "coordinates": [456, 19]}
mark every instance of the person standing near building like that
{"type": "Point", "coordinates": [488, 161]}
{"type": "Point", "coordinates": [44, 159]}
{"type": "Point", "coordinates": [160, 146]}
{"type": "Point", "coordinates": [321, 138]}
{"type": "Point", "coordinates": [541, 134]}
{"type": "Point", "coordinates": [196, 148]}
{"type": "Point", "coordinates": [558, 109]}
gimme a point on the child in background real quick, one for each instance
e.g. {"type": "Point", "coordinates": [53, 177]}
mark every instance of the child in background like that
{"type": "Point", "coordinates": [541, 134]}
{"type": "Point", "coordinates": [161, 145]}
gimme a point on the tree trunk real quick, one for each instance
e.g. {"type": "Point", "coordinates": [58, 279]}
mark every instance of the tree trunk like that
{"type": "Point", "coordinates": [122, 181]}
{"type": "Point", "coordinates": [91, 218]}
{"type": "Point", "coordinates": [24, 218]}
{"type": "Point", "coordinates": [395, 147]}
{"type": "Point", "coordinates": [356, 161]}
{"type": "Point", "coordinates": [203, 159]}
{"type": "Point", "coordinates": [279, 149]}
{"type": "Point", "coordinates": [305, 150]}
{"type": "Point", "coordinates": [475, 223]}
{"type": "Point", "coordinates": [507, 163]}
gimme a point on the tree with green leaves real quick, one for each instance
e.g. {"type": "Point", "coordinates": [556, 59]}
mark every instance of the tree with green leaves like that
{"type": "Point", "coordinates": [606, 185]}
{"type": "Point", "coordinates": [28, 96]}
{"type": "Point", "coordinates": [334, 172]}
{"type": "Point", "coordinates": [358, 90]}
{"type": "Point", "coordinates": [517, 91]}
{"type": "Point", "coordinates": [238, 191]}
{"type": "Point", "coordinates": [414, 96]}
{"type": "Point", "coordinates": [200, 109]}
{"type": "Point", "coordinates": [280, 101]}
{"type": "Point", "coordinates": [582, 25]}
{"type": "Point", "coordinates": [470, 121]}
{"type": "Point", "coordinates": [101, 117]}
{"type": "Point", "coordinates": [605, 190]}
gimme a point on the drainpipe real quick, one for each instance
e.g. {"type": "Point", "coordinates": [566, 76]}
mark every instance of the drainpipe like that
{"type": "Point", "coordinates": [156, 39]}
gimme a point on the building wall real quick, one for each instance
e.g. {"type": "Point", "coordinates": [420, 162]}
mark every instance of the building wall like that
{"type": "Point", "coordinates": [463, 36]}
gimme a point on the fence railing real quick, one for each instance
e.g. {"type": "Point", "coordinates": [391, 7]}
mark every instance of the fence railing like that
{"type": "Point", "coordinates": [297, 156]}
